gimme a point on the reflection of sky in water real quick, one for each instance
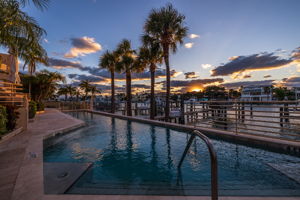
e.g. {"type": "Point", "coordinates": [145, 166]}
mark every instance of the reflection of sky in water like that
{"type": "Point", "coordinates": [136, 156]}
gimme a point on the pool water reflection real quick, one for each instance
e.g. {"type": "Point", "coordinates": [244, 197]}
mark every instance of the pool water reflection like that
{"type": "Point", "coordinates": [136, 158]}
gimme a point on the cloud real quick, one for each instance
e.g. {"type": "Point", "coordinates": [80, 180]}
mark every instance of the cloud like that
{"type": "Point", "coordinates": [193, 36]}
{"type": "Point", "coordinates": [140, 86]}
{"type": "Point", "coordinates": [188, 45]}
{"type": "Point", "coordinates": [233, 58]}
{"type": "Point", "coordinates": [191, 75]}
{"type": "Point", "coordinates": [235, 85]}
{"type": "Point", "coordinates": [185, 83]}
{"type": "Point", "coordinates": [296, 53]}
{"type": "Point", "coordinates": [293, 81]}
{"type": "Point", "coordinates": [267, 76]}
{"type": "Point", "coordinates": [83, 46]}
{"type": "Point", "coordinates": [59, 64]}
{"type": "Point", "coordinates": [46, 41]}
{"type": "Point", "coordinates": [92, 79]}
{"type": "Point", "coordinates": [247, 76]}
{"type": "Point", "coordinates": [189, 85]}
{"type": "Point", "coordinates": [253, 62]}
{"type": "Point", "coordinates": [206, 66]}
{"type": "Point", "coordinates": [145, 75]}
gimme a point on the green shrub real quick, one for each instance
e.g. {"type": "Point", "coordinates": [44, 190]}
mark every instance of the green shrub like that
{"type": "Point", "coordinates": [3, 119]}
{"type": "Point", "coordinates": [32, 109]}
{"type": "Point", "coordinates": [12, 116]}
{"type": "Point", "coordinates": [40, 106]}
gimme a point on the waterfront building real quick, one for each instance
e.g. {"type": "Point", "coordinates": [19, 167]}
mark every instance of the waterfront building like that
{"type": "Point", "coordinates": [297, 93]}
{"type": "Point", "coordinates": [9, 68]}
{"type": "Point", "coordinates": [257, 93]}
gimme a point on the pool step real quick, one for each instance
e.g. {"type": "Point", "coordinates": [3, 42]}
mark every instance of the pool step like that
{"type": "Point", "coordinates": [59, 177]}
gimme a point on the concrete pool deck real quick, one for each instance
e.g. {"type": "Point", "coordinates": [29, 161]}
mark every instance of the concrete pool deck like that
{"type": "Point", "coordinates": [21, 164]}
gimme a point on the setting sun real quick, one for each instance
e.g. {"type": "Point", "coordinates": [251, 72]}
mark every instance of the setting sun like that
{"type": "Point", "coordinates": [196, 90]}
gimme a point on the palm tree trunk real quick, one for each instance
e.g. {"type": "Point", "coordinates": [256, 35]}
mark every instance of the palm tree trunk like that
{"type": "Point", "coordinates": [112, 91]}
{"type": "Point", "coordinates": [166, 58]}
{"type": "Point", "coordinates": [152, 97]}
{"type": "Point", "coordinates": [128, 93]}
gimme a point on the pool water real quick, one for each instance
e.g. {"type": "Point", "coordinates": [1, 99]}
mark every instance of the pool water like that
{"type": "Point", "coordinates": [135, 158]}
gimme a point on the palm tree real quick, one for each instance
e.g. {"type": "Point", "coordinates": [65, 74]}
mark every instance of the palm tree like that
{"type": "Point", "coordinates": [94, 90]}
{"type": "Point", "coordinates": [44, 84]}
{"type": "Point", "coordinates": [71, 91]}
{"type": "Point", "coordinates": [126, 64]}
{"type": "Point", "coordinates": [19, 32]}
{"type": "Point", "coordinates": [34, 55]}
{"type": "Point", "coordinates": [150, 54]}
{"type": "Point", "coordinates": [166, 26]}
{"type": "Point", "coordinates": [85, 85]}
{"type": "Point", "coordinates": [40, 4]}
{"type": "Point", "coordinates": [63, 91]}
{"type": "Point", "coordinates": [77, 94]}
{"type": "Point", "coordinates": [108, 61]}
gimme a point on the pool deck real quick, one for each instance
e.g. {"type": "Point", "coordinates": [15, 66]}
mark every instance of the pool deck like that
{"type": "Point", "coordinates": [21, 164]}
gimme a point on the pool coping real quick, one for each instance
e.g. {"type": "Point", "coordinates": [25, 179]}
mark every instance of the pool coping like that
{"type": "Point", "coordinates": [29, 184]}
{"type": "Point", "coordinates": [271, 144]}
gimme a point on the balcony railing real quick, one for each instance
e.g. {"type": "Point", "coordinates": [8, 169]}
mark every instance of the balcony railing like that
{"type": "Point", "coordinates": [10, 94]}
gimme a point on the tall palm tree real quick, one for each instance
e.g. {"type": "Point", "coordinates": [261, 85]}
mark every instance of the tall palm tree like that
{"type": "Point", "coordinates": [63, 91]}
{"type": "Point", "coordinates": [126, 64]}
{"type": "Point", "coordinates": [94, 90]}
{"type": "Point", "coordinates": [18, 30]}
{"type": "Point", "coordinates": [71, 91]}
{"type": "Point", "coordinates": [151, 54]}
{"type": "Point", "coordinates": [77, 94]}
{"type": "Point", "coordinates": [108, 61]}
{"type": "Point", "coordinates": [34, 54]}
{"type": "Point", "coordinates": [166, 26]}
{"type": "Point", "coordinates": [85, 85]}
{"type": "Point", "coordinates": [40, 4]}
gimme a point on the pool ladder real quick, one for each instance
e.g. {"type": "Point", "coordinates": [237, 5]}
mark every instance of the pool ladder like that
{"type": "Point", "coordinates": [213, 161]}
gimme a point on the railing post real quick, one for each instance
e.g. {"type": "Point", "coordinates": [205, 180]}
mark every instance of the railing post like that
{"type": "Point", "coordinates": [236, 117]}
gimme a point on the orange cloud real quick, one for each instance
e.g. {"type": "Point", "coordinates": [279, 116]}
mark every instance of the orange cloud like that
{"type": "Point", "coordinates": [83, 46]}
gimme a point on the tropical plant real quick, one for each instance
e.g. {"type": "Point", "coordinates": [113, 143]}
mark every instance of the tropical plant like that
{"type": "Point", "coordinates": [149, 56]}
{"type": "Point", "coordinates": [3, 119]}
{"type": "Point", "coordinates": [215, 92]}
{"type": "Point", "coordinates": [40, 106]}
{"type": "Point", "coordinates": [32, 109]}
{"type": "Point", "coordinates": [12, 116]}
{"type": "Point", "coordinates": [108, 61]}
{"type": "Point", "coordinates": [63, 91]}
{"type": "Point", "coordinates": [126, 64]}
{"type": "Point", "coordinates": [44, 84]}
{"type": "Point", "coordinates": [166, 26]}
{"type": "Point", "coordinates": [20, 33]}
{"type": "Point", "coordinates": [40, 4]}
{"type": "Point", "coordinates": [77, 94]}
{"type": "Point", "coordinates": [71, 91]}
{"type": "Point", "coordinates": [94, 90]}
{"type": "Point", "coordinates": [85, 85]}
{"type": "Point", "coordinates": [283, 93]}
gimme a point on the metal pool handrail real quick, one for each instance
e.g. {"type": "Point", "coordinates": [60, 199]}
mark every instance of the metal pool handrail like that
{"type": "Point", "coordinates": [213, 161]}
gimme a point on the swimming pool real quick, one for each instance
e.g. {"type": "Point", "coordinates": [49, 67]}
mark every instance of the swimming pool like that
{"type": "Point", "coordinates": [135, 158]}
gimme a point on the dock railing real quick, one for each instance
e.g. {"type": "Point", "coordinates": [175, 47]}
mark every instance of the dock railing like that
{"type": "Point", "coordinates": [279, 119]}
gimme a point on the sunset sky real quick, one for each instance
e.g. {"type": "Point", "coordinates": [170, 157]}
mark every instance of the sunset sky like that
{"type": "Point", "coordinates": [229, 42]}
